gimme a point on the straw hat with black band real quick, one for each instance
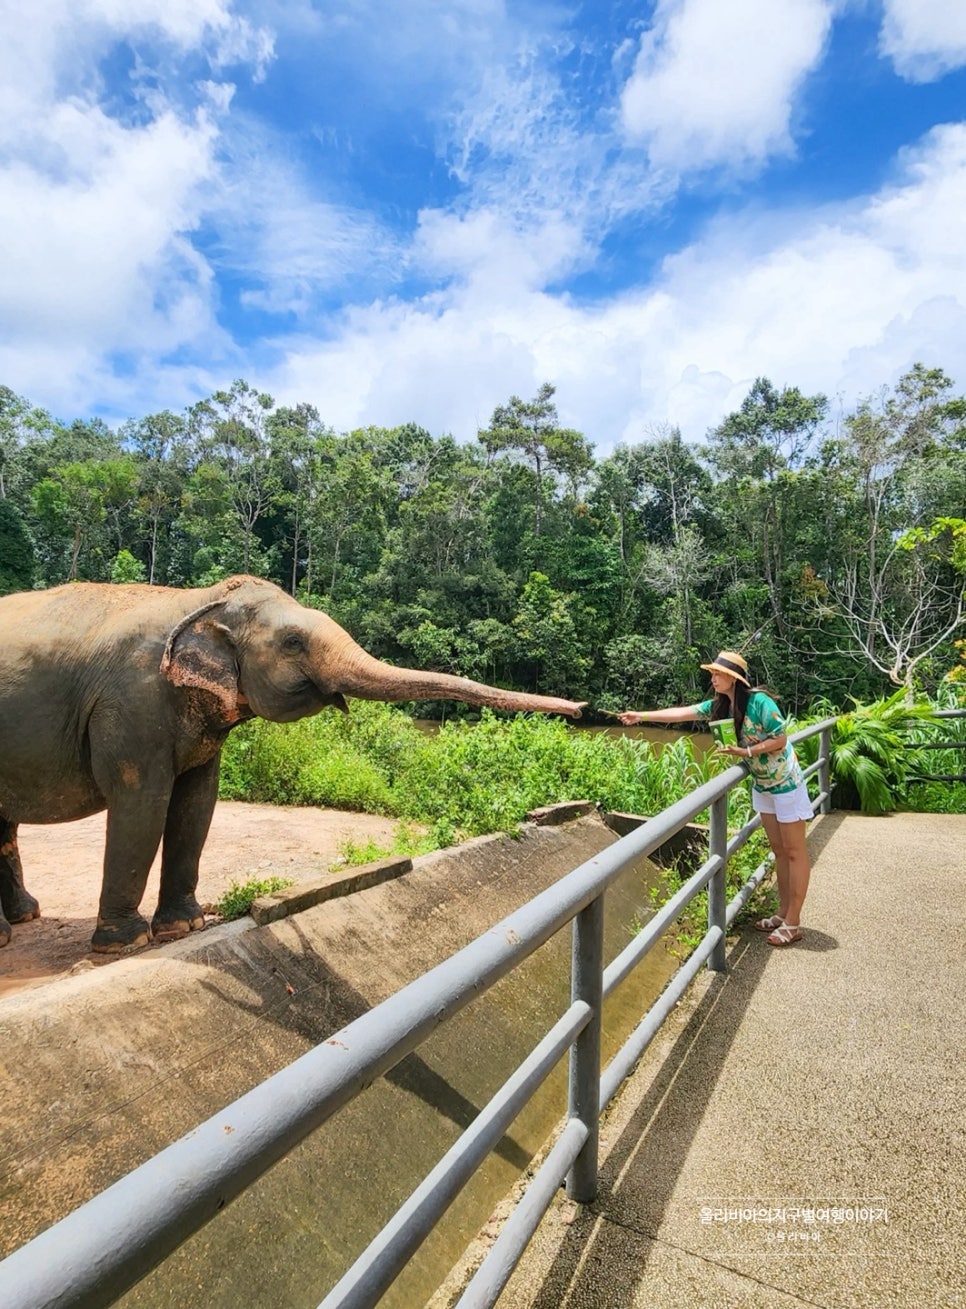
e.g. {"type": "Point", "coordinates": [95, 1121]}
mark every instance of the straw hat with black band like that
{"type": "Point", "coordinates": [730, 663]}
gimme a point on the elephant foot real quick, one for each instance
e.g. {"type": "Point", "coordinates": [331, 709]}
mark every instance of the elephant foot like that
{"type": "Point", "coordinates": [173, 921]}
{"type": "Point", "coordinates": [113, 936]}
{"type": "Point", "coordinates": [27, 910]}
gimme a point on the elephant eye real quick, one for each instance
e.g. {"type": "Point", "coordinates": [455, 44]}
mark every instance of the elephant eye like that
{"type": "Point", "coordinates": [293, 642]}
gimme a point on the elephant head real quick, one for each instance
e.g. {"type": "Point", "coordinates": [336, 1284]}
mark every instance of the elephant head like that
{"type": "Point", "coordinates": [263, 654]}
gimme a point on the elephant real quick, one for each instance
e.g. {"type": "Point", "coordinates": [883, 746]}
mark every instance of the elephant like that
{"type": "Point", "coordinates": [121, 696]}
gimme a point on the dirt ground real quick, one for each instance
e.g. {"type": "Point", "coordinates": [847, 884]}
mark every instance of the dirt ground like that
{"type": "Point", "coordinates": [62, 869]}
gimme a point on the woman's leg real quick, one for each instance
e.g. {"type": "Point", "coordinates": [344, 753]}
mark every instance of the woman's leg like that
{"type": "Point", "coordinates": [799, 869]}
{"type": "Point", "coordinates": [793, 866]}
{"type": "Point", "coordinates": [773, 831]}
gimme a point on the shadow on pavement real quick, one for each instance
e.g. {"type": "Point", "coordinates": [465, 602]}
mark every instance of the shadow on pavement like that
{"type": "Point", "coordinates": [657, 1138]}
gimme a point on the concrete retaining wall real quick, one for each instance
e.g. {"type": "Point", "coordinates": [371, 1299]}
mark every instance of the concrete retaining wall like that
{"type": "Point", "coordinates": [100, 1071]}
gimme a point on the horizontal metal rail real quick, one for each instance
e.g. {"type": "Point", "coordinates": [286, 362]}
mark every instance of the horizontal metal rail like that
{"type": "Point", "coordinates": [494, 1273]}
{"type": "Point", "coordinates": [373, 1273]}
{"type": "Point", "coordinates": [939, 745]}
{"type": "Point", "coordinates": [91, 1257]}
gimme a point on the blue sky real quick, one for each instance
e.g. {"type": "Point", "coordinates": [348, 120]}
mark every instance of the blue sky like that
{"type": "Point", "coordinates": [410, 211]}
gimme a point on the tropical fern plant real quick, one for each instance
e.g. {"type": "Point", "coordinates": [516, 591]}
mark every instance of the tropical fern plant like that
{"type": "Point", "coordinates": [872, 751]}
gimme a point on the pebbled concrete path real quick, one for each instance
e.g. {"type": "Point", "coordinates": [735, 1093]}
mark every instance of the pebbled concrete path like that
{"type": "Point", "coordinates": [797, 1133]}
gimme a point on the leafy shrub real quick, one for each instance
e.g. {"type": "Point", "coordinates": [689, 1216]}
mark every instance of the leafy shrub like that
{"type": "Point", "coordinates": [317, 761]}
{"type": "Point", "coordinates": [467, 780]}
{"type": "Point", "coordinates": [942, 797]}
{"type": "Point", "coordinates": [873, 752]}
{"type": "Point", "coordinates": [344, 781]}
{"type": "Point", "coordinates": [126, 568]}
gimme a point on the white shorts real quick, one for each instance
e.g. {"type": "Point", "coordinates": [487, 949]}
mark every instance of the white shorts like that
{"type": "Point", "coordinates": [787, 806]}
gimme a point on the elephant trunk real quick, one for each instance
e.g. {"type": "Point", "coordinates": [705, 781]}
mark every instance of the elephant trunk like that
{"type": "Point", "coordinates": [358, 674]}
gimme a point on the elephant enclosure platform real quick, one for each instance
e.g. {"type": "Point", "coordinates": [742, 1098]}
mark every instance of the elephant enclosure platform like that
{"type": "Point", "coordinates": [62, 868]}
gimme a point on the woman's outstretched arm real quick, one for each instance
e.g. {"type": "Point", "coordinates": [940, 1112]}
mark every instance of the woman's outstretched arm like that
{"type": "Point", "coordinates": [680, 714]}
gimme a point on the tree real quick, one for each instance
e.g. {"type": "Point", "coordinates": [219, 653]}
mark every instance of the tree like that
{"type": "Point", "coordinates": [679, 570]}
{"type": "Point", "coordinates": [922, 413]}
{"type": "Point", "coordinates": [758, 451]}
{"type": "Point", "coordinates": [675, 487]}
{"type": "Point", "coordinates": [231, 433]}
{"type": "Point", "coordinates": [20, 424]}
{"type": "Point", "coordinates": [160, 443]}
{"type": "Point", "coordinates": [346, 522]}
{"type": "Point", "coordinates": [73, 502]}
{"type": "Point", "coordinates": [771, 430]}
{"type": "Point", "coordinates": [18, 563]}
{"type": "Point", "coordinates": [532, 428]}
{"type": "Point", "coordinates": [545, 638]}
{"type": "Point", "coordinates": [295, 435]}
{"type": "Point", "coordinates": [898, 597]}
{"type": "Point", "coordinates": [909, 609]}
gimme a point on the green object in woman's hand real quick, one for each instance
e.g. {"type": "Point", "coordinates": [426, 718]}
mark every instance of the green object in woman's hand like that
{"type": "Point", "coordinates": [723, 731]}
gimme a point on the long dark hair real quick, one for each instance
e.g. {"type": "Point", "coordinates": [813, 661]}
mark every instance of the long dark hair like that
{"type": "Point", "coordinates": [722, 707]}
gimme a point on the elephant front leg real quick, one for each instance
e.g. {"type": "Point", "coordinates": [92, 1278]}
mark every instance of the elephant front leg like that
{"type": "Point", "coordinates": [135, 821]}
{"type": "Point", "coordinates": [189, 818]}
{"type": "Point", "coordinates": [16, 905]}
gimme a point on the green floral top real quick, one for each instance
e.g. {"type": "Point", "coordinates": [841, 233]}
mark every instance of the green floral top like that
{"type": "Point", "coordinates": [778, 772]}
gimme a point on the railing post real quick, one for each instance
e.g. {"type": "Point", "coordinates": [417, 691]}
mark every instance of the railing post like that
{"type": "Point", "coordinates": [825, 769]}
{"type": "Point", "coordinates": [717, 893]}
{"type": "Point", "coordinates": [587, 984]}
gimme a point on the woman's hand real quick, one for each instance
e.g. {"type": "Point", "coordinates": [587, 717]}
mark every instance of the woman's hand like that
{"type": "Point", "coordinates": [738, 751]}
{"type": "Point", "coordinates": [630, 718]}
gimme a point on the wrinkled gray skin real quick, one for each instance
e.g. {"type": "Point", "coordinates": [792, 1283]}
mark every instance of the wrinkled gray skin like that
{"type": "Point", "coordinates": [121, 697]}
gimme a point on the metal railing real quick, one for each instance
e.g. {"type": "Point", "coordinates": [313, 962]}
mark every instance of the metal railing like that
{"type": "Point", "coordinates": [940, 745]}
{"type": "Point", "coordinates": [95, 1254]}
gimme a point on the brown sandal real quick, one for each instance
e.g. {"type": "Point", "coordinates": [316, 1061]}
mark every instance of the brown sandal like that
{"type": "Point", "coordinates": [769, 924]}
{"type": "Point", "coordinates": [787, 934]}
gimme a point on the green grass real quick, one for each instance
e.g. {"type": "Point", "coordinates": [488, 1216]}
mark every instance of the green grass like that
{"type": "Point", "coordinates": [406, 841]}
{"type": "Point", "coordinates": [468, 780]}
{"type": "Point", "coordinates": [236, 902]}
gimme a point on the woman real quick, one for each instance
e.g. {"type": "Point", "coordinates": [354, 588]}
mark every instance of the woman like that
{"type": "Point", "coordinates": [778, 792]}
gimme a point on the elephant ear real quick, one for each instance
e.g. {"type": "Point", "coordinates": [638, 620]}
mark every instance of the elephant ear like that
{"type": "Point", "coordinates": [200, 653]}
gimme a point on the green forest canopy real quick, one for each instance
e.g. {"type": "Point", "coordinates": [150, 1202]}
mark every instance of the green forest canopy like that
{"type": "Point", "coordinates": [831, 549]}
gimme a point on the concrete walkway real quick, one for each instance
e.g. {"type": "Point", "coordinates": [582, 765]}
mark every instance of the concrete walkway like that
{"type": "Point", "coordinates": [797, 1134]}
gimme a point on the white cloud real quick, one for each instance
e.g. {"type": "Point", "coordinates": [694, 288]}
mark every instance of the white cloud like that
{"type": "Point", "coordinates": [924, 38]}
{"type": "Point", "coordinates": [123, 225]}
{"type": "Point", "coordinates": [87, 246]}
{"type": "Point", "coordinates": [103, 183]}
{"type": "Point", "coordinates": [715, 84]}
{"type": "Point", "coordinates": [291, 247]}
{"type": "Point", "coordinates": [840, 301]}
{"type": "Point", "coordinates": [503, 259]}
{"type": "Point", "coordinates": [56, 50]}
